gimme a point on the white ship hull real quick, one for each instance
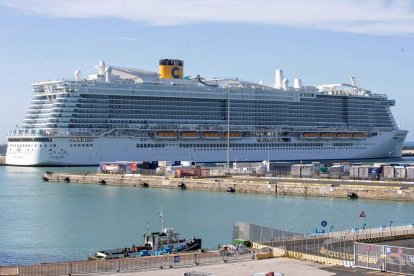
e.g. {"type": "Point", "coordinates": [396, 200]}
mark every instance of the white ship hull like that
{"type": "Point", "coordinates": [62, 152]}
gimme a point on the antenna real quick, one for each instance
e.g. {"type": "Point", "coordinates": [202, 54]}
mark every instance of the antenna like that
{"type": "Point", "coordinates": [162, 220]}
{"type": "Point", "coordinates": [354, 81]}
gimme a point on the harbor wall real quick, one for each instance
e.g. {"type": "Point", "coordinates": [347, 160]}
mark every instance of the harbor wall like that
{"type": "Point", "coordinates": [273, 186]}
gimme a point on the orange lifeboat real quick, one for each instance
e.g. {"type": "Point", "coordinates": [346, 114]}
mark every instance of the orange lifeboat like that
{"type": "Point", "coordinates": [212, 135]}
{"type": "Point", "coordinates": [359, 135]}
{"type": "Point", "coordinates": [166, 134]}
{"type": "Point", "coordinates": [327, 135]}
{"type": "Point", "coordinates": [310, 135]}
{"type": "Point", "coordinates": [233, 135]}
{"type": "Point", "coordinates": [189, 134]}
{"type": "Point", "coordinates": [344, 135]}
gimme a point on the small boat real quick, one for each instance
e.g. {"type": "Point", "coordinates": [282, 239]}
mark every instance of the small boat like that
{"type": "Point", "coordinates": [327, 135]}
{"type": "Point", "coordinates": [310, 135]}
{"type": "Point", "coordinates": [233, 135]}
{"type": "Point", "coordinates": [344, 135]}
{"type": "Point", "coordinates": [212, 135]}
{"type": "Point", "coordinates": [189, 134]}
{"type": "Point", "coordinates": [166, 135]}
{"type": "Point", "coordinates": [156, 243]}
{"type": "Point", "coordinates": [359, 135]}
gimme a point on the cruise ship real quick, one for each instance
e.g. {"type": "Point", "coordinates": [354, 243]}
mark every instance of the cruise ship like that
{"type": "Point", "coordinates": [124, 113]}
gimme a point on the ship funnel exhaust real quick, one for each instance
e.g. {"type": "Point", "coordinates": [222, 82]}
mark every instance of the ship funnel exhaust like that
{"type": "Point", "coordinates": [279, 79]}
{"type": "Point", "coordinates": [171, 69]}
{"type": "Point", "coordinates": [297, 83]}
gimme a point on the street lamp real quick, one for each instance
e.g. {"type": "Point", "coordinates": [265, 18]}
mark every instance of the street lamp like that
{"type": "Point", "coordinates": [228, 131]}
{"type": "Point", "coordinates": [391, 222]}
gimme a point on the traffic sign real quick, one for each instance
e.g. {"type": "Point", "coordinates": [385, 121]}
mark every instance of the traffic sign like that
{"type": "Point", "coordinates": [368, 248]}
{"type": "Point", "coordinates": [362, 215]}
{"type": "Point", "coordinates": [176, 259]}
{"type": "Point", "coordinates": [324, 223]}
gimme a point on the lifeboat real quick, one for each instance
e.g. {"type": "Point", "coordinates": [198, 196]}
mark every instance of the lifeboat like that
{"type": "Point", "coordinates": [310, 135]}
{"type": "Point", "coordinates": [233, 135]}
{"type": "Point", "coordinates": [212, 135]}
{"type": "Point", "coordinates": [359, 135]}
{"type": "Point", "coordinates": [189, 134]}
{"type": "Point", "coordinates": [344, 135]}
{"type": "Point", "coordinates": [166, 134]}
{"type": "Point", "coordinates": [327, 135]}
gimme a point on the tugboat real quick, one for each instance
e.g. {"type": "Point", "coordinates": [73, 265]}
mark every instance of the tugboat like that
{"type": "Point", "coordinates": [156, 243]}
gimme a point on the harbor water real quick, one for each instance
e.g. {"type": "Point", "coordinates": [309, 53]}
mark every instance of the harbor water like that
{"type": "Point", "coordinates": [48, 222]}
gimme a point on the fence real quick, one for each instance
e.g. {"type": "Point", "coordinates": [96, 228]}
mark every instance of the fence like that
{"type": "Point", "coordinates": [128, 264]}
{"type": "Point", "coordinates": [332, 245]}
{"type": "Point", "coordinates": [385, 258]}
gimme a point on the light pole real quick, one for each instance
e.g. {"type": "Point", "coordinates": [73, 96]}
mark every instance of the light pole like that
{"type": "Point", "coordinates": [228, 131]}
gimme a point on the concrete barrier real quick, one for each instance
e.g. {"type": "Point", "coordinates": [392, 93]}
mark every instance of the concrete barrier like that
{"type": "Point", "coordinates": [277, 186]}
{"type": "Point", "coordinates": [9, 270]}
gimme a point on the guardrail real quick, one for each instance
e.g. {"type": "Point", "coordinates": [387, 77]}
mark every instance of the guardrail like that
{"type": "Point", "coordinates": [125, 264]}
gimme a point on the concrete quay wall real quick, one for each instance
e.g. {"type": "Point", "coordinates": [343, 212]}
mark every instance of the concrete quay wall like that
{"type": "Point", "coordinates": [273, 186]}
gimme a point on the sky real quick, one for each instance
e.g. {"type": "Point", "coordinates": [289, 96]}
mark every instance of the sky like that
{"type": "Point", "coordinates": [321, 41]}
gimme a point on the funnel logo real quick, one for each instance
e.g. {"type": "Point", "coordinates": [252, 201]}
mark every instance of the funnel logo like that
{"type": "Point", "coordinates": [175, 71]}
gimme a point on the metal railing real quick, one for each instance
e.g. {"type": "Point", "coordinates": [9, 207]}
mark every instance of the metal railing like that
{"type": "Point", "coordinates": [335, 245]}
{"type": "Point", "coordinates": [385, 258]}
{"type": "Point", "coordinates": [128, 264]}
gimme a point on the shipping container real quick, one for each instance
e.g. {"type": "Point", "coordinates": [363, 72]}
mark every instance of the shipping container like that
{"type": "Point", "coordinates": [279, 166]}
{"type": "Point", "coordinates": [336, 171]}
{"type": "Point", "coordinates": [337, 168]}
{"type": "Point", "coordinates": [308, 170]}
{"type": "Point", "coordinates": [186, 163]}
{"type": "Point", "coordinates": [374, 172]}
{"type": "Point", "coordinates": [323, 169]}
{"type": "Point", "coordinates": [165, 163]}
{"type": "Point", "coordinates": [296, 170]}
{"type": "Point", "coordinates": [410, 173]}
{"type": "Point", "coordinates": [317, 166]}
{"type": "Point", "coordinates": [363, 172]}
{"type": "Point", "coordinates": [399, 172]}
{"type": "Point", "coordinates": [388, 172]}
{"type": "Point", "coordinates": [239, 165]}
{"type": "Point", "coordinates": [192, 172]}
{"type": "Point", "coordinates": [353, 172]}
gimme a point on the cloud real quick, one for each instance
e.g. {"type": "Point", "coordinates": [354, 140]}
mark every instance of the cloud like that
{"type": "Point", "coordinates": [126, 38]}
{"type": "Point", "coordinates": [378, 17]}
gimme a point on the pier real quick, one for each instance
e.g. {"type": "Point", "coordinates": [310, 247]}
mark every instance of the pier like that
{"type": "Point", "coordinates": [335, 188]}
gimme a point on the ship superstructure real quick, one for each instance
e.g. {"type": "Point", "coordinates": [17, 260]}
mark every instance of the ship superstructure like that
{"type": "Point", "coordinates": [132, 114]}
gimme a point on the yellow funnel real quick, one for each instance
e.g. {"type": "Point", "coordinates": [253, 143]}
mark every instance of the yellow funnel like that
{"type": "Point", "coordinates": [171, 69]}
